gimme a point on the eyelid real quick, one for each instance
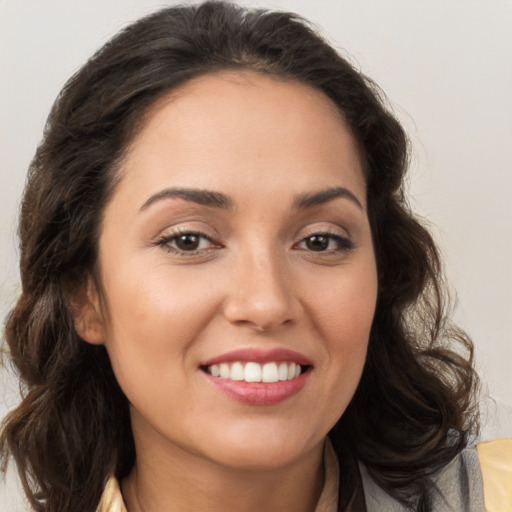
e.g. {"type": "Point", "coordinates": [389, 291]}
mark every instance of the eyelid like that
{"type": "Point", "coordinates": [323, 228]}
{"type": "Point", "coordinates": [340, 235]}
{"type": "Point", "coordinates": [343, 242]}
{"type": "Point", "coordinates": [164, 240]}
{"type": "Point", "coordinates": [183, 227]}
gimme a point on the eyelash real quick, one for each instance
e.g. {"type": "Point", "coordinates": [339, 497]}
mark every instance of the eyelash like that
{"type": "Point", "coordinates": [343, 244]}
{"type": "Point", "coordinates": [165, 242]}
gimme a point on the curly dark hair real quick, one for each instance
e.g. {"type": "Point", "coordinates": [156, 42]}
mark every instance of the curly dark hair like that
{"type": "Point", "coordinates": [414, 409]}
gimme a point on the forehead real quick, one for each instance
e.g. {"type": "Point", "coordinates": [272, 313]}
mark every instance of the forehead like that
{"type": "Point", "coordinates": [211, 90]}
{"type": "Point", "coordinates": [219, 128]}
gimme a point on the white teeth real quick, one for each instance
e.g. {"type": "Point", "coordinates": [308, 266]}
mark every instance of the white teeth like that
{"type": "Point", "coordinates": [269, 373]}
{"type": "Point", "coordinates": [252, 372]}
{"type": "Point", "coordinates": [237, 372]}
{"type": "Point", "coordinates": [224, 371]}
{"type": "Point", "coordinates": [255, 372]}
{"type": "Point", "coordinates": [283, 371]}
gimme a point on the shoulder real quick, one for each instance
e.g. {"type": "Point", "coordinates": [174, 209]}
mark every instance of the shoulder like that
{"type": "Point", "coordinates": [496, 465]}
{"type": "Point", "coordinates": [476, 480]}
{"type": "Point", "coordinates": [457, 486]}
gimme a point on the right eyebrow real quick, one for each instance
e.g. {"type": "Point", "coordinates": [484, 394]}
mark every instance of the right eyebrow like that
{"type": "Point", "coordinates": [194, 195]}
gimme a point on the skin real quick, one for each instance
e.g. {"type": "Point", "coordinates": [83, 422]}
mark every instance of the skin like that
{"type": "Point", "coordinates": [255, 282]}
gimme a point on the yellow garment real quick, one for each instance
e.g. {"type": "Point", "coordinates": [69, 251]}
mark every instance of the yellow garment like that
{"type": "Point", "coordinates": [496, 465]}
{"type": "Point", "coordinates": [111, 500]}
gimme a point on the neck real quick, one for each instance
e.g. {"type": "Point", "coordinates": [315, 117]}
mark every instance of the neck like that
{"type": "Point", "coordinates": [185, 482]}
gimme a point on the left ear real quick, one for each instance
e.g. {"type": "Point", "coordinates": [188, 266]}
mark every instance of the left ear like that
{"type": "Point", "coordinates": [85, 306]}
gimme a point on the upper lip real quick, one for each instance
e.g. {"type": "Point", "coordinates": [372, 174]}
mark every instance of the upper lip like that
{"type": "Point", "coordinates": [261, 356]}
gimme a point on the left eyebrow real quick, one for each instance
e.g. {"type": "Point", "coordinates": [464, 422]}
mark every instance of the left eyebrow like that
{"type": "Point", "coordinates": [309, 200]}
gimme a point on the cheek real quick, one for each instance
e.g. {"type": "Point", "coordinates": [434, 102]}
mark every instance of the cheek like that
{"type": "Point", "coordinates": [345, 306]}
{"type": "Point", "coordinates": [342, 311]}
{"type": "Point", "coordinates": [343, 315]}
{"type": "Point", "coordinates": [160, 300]}
{"type": "Point", "coordinates": [153, 319]}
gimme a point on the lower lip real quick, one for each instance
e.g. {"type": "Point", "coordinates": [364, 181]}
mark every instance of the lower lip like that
{"type": "Point", "coordinates": [259, 393]}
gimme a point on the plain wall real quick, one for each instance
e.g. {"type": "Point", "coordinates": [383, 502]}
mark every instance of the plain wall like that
{"type": "Point", "coordinates": [446, 67]}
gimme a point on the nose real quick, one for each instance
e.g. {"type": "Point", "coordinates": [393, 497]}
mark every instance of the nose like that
{"type": "Point", "coordinates": [262, 293]}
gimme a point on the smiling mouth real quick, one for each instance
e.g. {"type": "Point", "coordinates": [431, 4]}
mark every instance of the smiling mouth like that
{"type": "Point", "coordinates": [254, 372]}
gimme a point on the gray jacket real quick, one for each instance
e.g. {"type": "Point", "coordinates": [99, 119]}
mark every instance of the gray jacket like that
{"type": "Point", "coordinates": [459, 488]}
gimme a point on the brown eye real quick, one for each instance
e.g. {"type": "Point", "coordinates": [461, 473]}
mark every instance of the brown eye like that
{"type": "Point", "coordinates": [184, 243]}
{"type": "Point", "coordinates": [187, 242]}
{"type": "Point", "coordinates": [317, 243]}
{"type": "Point", "coordinates": [325, 242]}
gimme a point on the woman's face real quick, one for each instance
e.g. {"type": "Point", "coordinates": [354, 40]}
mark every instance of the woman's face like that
{"type": "Point", "coordinates": [235, 250]}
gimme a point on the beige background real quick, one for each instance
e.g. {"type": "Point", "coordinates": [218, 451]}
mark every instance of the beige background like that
{"type": "Point", "coordinates": [446, 66]}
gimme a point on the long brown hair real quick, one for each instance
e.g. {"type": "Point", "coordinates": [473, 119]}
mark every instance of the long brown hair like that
{"type": "Point", "coordinates": [413, 410]}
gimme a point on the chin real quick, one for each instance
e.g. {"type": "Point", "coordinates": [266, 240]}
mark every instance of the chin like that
{"type": "Point", "coordinates": [257, 452]}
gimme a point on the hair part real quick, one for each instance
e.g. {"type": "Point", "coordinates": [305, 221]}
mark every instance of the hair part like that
{"type": "Point", "coordinates": [413, 410]}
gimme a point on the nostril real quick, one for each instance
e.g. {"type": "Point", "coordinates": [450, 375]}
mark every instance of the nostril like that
{"type": "Point", "coordinates": [260, 314]}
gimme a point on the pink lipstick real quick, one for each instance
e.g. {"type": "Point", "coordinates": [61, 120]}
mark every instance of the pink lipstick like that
{"type": "Point", "coordinates": [258, 377]}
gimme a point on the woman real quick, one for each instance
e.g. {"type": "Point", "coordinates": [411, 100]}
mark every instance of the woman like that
{"type": "Point", "coordinates": [226, 301]}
